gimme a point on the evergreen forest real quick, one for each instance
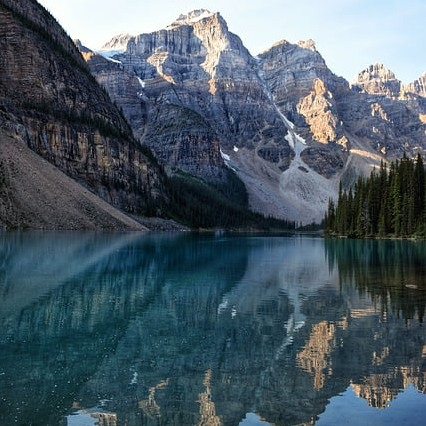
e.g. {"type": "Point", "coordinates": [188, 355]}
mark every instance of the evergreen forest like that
{"type": "Point", "coordinates": [391, 202]}
{"type": "Point", "coordinates": [201, 205]}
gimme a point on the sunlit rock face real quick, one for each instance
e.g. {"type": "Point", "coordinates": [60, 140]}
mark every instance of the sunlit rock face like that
{"type": "Point", "coordinates": [418, 87]}
{"type": "Point", "coordinates": [378, 80]}
{"type": "Point", "coordinates": [256, 107]}
{"type": "Point", "coordinates": [293, 72]}
{"type": "Point", "coordinates": [374, 118]}
{"type": "Point", "coordinates": [199, 65]}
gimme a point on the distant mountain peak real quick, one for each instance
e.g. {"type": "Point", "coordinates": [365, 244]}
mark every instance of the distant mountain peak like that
{"type": "Point", "coordinates": [376, 71]}
{"type": "Point", "coordinates": [418, 86]}
{"type": "Point", "coordinates": [307, 44]}
{"type": "Point", "coordinates": [118, 43]}
{"type": "Point", "coordinates": [379, 80]}
{"type": "Point", "coordinates": [283, 121]}
{"type": "Point", "coordinates": [191, 17]}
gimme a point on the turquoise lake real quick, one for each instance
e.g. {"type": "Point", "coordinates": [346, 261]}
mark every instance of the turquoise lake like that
{"type": "Point", "coordinates": [185, 329]}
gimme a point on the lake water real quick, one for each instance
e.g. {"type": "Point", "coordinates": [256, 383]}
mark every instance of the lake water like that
{"type": "Point", "coordinates": [144, 329]}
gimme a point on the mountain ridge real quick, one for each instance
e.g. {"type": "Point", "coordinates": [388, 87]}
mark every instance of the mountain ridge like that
{"type": "Point", "coordinates": [50, 101]}
{"type": "Point", "coordinates": [119, 42]}
{"type": "Point", "coordinates": [282, 123]}
{"type": "Point", "coordinates": [258, 105]}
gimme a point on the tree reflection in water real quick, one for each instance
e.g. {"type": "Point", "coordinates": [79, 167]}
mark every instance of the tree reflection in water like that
{"type": "Point", "coordinates": [187, 330]}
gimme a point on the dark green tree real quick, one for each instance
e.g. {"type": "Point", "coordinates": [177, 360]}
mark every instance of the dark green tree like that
{"type": "Point", "coordinates": [390, 202]}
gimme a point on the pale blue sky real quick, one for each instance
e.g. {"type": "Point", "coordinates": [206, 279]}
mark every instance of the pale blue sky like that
{"type": "Point", "coordinates": [349, 34]}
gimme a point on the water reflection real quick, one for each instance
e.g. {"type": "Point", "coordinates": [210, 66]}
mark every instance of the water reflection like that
{"type": "Point", "coordinates": [392, 272]}
{"type": "Point", "coordinates": [137, 329]}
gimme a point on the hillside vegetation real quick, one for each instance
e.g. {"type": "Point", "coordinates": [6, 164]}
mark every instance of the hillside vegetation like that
{"type": "Point", "coordinates": [391, 202]}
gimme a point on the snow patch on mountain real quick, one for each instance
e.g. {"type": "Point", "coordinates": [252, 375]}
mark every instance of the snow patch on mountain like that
{"type": "Point", "coordinates": [225, 156]}
{"type": "Point", "coordinates": [191, 18]}
{"type": "Point", "coordinates": [141, 82]}
{"type": "Point", "coordinates": [304, 192]}
{"type": "Point", "coordinates": [116, 46]}
{"type": "Point", "coordinates": [109, 54]}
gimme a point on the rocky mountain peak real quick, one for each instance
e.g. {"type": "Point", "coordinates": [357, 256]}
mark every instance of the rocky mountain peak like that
{"type": "Point", "coordinates": [307, 44]}
{"type": "Point", "coordinates": [376, 71]}
{"type": "Point", "coordinates": [286, 53]}
{"type": "Point", "coordinates": [277, 44]}
{"type": "Point", "coordinates": [378, 80]}
{"type": "Point", "coordinates": [118, 42]}
{"type": "Point", "coordinates": [418, 86]}
{"type": "Point", "coordinates": [291, 69]}
{"type": "Point", "coordinates": [283, 121]}
{"type": "Point", "coordinates": [85, 52]}
{"type": "Point", "coordinates": [192, 17]}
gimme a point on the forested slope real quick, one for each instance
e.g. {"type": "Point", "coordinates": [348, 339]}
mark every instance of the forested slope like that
{"type": "Point", "coordinates": [391, 202]}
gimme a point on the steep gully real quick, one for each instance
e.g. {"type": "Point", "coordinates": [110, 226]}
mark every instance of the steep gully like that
{"type": "Point", "coordinates": [304, 191]}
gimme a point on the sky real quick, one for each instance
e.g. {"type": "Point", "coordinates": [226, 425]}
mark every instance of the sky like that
{"type": "Point", "coordinates": [349, 34]}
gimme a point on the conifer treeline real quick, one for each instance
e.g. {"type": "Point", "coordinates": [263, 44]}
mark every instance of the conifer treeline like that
{"type": "Point", "coordinates": [199, 204]}
{"type": "Point", "coordinates": [391, 202]}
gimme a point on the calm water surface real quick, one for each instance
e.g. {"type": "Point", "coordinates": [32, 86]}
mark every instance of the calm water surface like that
{"type": "Point", "coordinates": [134, 329]}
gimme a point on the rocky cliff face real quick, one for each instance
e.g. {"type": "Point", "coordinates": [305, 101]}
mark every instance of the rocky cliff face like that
{"type": "Point", "coordinates": [197, 64]}
{"type": "Point", "coordinates": [378, 80]}
{"type": "Point", "coordinates": [358, 124]}
{"type": "Point", "coordinates": [418, 86]}
{"type": "Point", "coordinates": [36, 194]}
{"type": "Point", "coordinates": [49, 99]}
{"type": "Point", "coordinates": [383, 116]}
{"type": "Point", "coordinates": [287, 125]}
{"type": "Point", "coordinates": [179, 136]}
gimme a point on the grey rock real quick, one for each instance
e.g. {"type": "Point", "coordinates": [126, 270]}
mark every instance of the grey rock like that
{"type": "Point", "coordinates": [285, 123]}
{"type": "Point", "coordinates": [378, 80]}
{"type": "Point", "coordinates": [50, 98]}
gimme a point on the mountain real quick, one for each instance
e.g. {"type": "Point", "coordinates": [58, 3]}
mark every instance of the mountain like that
{"type": "Point", "coordinates": [36, 194]}
{"type": "Point", "coordinates": [275, 133]}
{"type": "Point", "coordinates": [282, 121]}
{"type": "Point", "coordinates": [418, 87]}
{"type": "Point", "coordinates": [51, 104]}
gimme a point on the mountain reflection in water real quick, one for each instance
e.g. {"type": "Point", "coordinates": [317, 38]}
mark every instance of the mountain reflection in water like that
{"type": "Point", "coordinates": [145, 329]}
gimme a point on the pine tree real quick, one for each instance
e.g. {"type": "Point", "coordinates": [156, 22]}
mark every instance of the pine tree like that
{"type": "Point", "coordinates": [330, 218]}
{"type": "Point", "coordinates": [387, 203]}
{"type": "Point", "coordinates": [395, 199]}
{"type": "Point", "coordinates": [419, 198]}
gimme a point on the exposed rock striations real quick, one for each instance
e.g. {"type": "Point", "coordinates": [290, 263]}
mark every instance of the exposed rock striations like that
{"type": "Point", "coordinates": [197, 63]}
{"type": "Point", "coordinates": [50, 100]}
{"type": "Point", "coordinates": [378, 80]}
{"type": "Point", "coordinates": [36, 194]}
{"type": "Point", "coordinates": [287, 125]}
